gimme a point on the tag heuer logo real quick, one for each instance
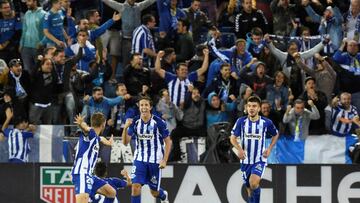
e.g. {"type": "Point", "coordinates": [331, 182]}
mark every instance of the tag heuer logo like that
{"type": "Point", "coordinates": [56, 185]}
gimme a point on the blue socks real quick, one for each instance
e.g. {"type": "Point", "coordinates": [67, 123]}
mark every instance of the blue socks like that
{"type": "Point", "coordinates": [135, 199]}
{"type": "Point", "coordinates": [162, 195]}
{"type": "Point", "coordinates": [256, 195]}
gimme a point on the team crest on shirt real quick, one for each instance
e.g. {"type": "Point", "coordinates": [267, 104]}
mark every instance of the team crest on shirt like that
{"type": "Point", "coordinates": [146, 136]}
{"type": "Point", "coordinates": [150, 128]}
{"type": "Point", "coordinates": [96, 147]}
{"type": "Point", "coordinates": [153, 180]}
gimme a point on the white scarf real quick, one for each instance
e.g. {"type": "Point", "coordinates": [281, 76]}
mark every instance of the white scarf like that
{"type": "Point", "coordinates": [20, 91]}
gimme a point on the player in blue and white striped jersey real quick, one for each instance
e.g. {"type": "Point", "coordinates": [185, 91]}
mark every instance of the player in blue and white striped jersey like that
{"type": "Point", "coordinates": [17, 139]}
{"type": "Point", "coordinates": [143, 41]}
{"type": "Point", "coordinates": [343, 115]}
{"type": "Point", "coordinates": [117, 183]}
{"type": "Point", "coordinates": [252, 131]}
{"type": "Point", "coordinates": [178, 84]}
{"type": "Point", "coordinates": [150, 133]}
{"type": "Point", "coordinates": [86, 157]}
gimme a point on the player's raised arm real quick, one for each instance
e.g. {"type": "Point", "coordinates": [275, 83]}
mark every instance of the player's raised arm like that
{"type": "Point", "coordinates": [107, 142]}
{"type": "Point", "coordinates": [125, 136]}
{"type": "Point", "coordinates": [79, 120]}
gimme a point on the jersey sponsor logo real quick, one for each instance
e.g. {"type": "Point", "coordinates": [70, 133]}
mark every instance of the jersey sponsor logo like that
{"type": "Point", "coordinates": [253, 136]}
{"type": "Point", "coordinates": [145, 136]}
{"type": "Point", "coordinates": [56, 185]}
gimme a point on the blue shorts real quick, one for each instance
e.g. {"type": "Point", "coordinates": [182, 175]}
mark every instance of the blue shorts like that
{"type": "Point", "coordinates": [146, 173]}
{"type": "Point", "coordinates": [248, 169]}
{"type": "Point", "coordinates": [85, 183]}
{"type": "Point", "coordinates": [98, 183]}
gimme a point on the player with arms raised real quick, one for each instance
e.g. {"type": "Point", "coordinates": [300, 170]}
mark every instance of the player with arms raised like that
{"type": "Point", "coordinates": [86, 157]}
{"type": "Point", "coordinates": [252, 130]}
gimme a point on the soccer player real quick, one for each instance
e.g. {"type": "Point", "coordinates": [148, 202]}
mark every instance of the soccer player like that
{"type": "Point", "coordinates": [86, 156]}
{"type": "Point", "coordinates": [117, 183]}
{"type": "Point", "coordinates": [18, 136]}
{"type": "Point", "coordinates": [150, 133]}
{"type": "Point", "coordinates": [252, 130]}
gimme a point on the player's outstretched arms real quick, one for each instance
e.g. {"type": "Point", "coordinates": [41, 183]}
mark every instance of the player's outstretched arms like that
{"type": "Point", "coordinates": [79, 121]}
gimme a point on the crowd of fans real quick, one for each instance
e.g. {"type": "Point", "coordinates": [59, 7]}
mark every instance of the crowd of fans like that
{"type": "Point", "coordinates": [198, 59]}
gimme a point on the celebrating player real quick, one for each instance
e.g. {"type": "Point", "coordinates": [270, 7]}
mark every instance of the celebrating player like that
{"type": "Point", "coordinates": [150, 132]}
{"type": "Point", "coordinates": [85, 159]}
{"type": "Point", "coordinates": [252, 130]}
{"type": "Point", "coordinates": [117, 183]}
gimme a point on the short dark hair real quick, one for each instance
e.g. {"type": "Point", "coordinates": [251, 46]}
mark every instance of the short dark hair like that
{"type": "Point", "coordinates": [224, 65]}
{"type": "Point", "coordinates": [82, 31]}
{"type": "Point", "coordinates": [185, 23]}
{"type": "Point", "coordinates": [254, 99]}
{"type": "Point", "coordinates": [54, 1]}
{"type": "Point", "coordinates": [4, 2]}
{"type": "Point", "coordinates": [257, 31]}
{"type": "Point", "coordinates": [199, 49]}
{"type": "Point", "coordinates": [145, 98]}
{"type": "Point", "coordinates": [299, 101]}
{"type": "Point", "coordinates": [100, 169]}
{"type": "Point", "coordinates": [97, 88]}
{"type": "Point", "coordinates": [168, 51]}
{"type": "Point", "coordinates": [180, 64]}
{"type": "Point", "coordinates": [304, 28]}
{"type": "Point", "coordinates": [90, 13]}
{"type": "Point", "coordinates": [241, 40]}
{"type": "Point", "coordinates": [293, 42]}
{"type": "Point", "coordinates": [120, 84]}
{"type": "Point", "coordinates": [19, 120]}
{"type": "Point", "coordinates": [57, 51]}
{"type": "Point", "coordinates": [265, 102]}
{"type": "Point", "coordinates": [147, 18]}
{"type": "Point", "coordinates": [132, 56]}
{"type": "Point", "coordinates": [97, 119]}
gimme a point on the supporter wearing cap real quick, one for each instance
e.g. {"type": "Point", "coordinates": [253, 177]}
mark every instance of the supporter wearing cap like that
{"type": "Point", "coordinates": [18, 85]}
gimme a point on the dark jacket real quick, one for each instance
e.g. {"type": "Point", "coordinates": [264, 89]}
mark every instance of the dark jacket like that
{"type": "Point", "coordinates": [43, 87]}
{"type": "Point", "coordinates": [135, 78]}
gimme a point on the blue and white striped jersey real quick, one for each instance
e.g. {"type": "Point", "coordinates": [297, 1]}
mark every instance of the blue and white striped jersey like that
{"type": "Point", "coordinates": [142, 39]}
{"type": "Point", "coordinates": [252, 137]}
{"type": "Point", "coordinates": [116, 183]}
{"type": "Point", "coordinates": [86, 153]}
{"type": "Point", "coordinates": [149, 138]}
{"type": "Point", "coordinates": [337, 127]}
{"type": "Point", "coordinates": [178, 88]}
{"type": "Point", "coordinates": [19, 147]}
